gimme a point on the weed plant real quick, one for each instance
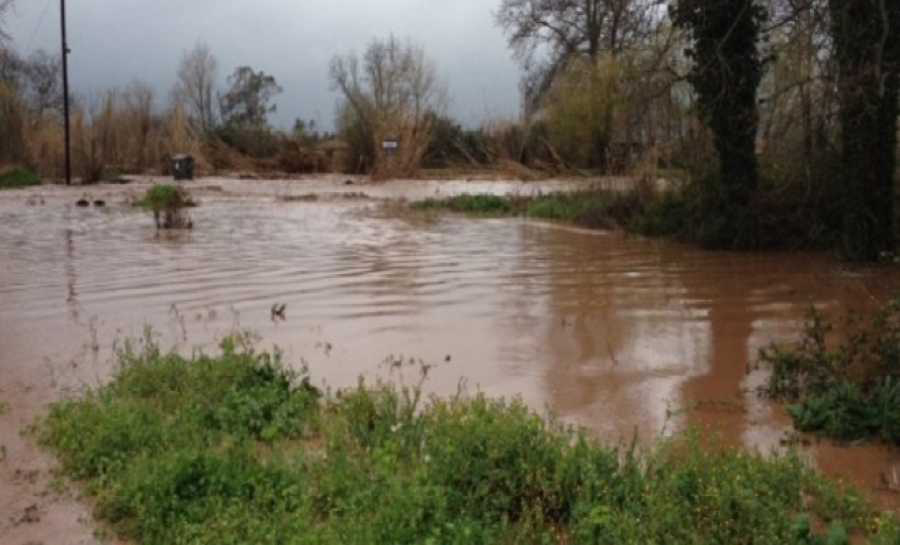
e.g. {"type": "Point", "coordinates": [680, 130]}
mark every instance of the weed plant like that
{"type": "Point", "coordinates": [848, 391]}
{"type": "Point", "coordinates": [167, 202]}
{"type": "Point", "coordinates": [239, 449]}
{"type": "Point", "coordinates": [17, 178]}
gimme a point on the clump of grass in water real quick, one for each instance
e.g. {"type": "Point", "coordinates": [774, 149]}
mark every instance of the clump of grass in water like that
{"type": "Point", "coordinates": [781, 216]}
{"type": "Point", "coordinates": [471, 204]}
{"type": "Point", "coordinates": [167, 202]}
{"type": "Point", "coordinates": [239, 449]}
{"type": "Point", "coordinates": [587, 209]}
{"type": "Point", "coordinates": [850, 391]}
{"type": "Point", "coordinates": [597, 209]}
{"type": "Point", "coordinates": [17, 178]}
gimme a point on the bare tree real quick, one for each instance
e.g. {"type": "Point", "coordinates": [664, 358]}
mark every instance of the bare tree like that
{"type": "Point", "coordinates": [11, 67]}
{"type": "Point", "coordinates": [43, 83]}
{"type": "Point", "coordinates": [196, 86]}
{"type": "Point", "coordinates": [138, 103]}
{"type": "Point", "coordinates": [12, 143]}
{"type": "Point", "coordinates": [798, 96]}
{"type": "Point", "coordinates": [10, 62]}
{"type": "Point", "coordinates": [547, 34]}
{"type": "Point", "coordinates": [390, 93]}
{"type": "Point", "coordinates": [5, 7]}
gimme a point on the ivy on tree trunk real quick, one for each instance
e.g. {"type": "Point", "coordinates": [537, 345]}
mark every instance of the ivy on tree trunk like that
{"type": "Point", "coordinates": [726, 73]}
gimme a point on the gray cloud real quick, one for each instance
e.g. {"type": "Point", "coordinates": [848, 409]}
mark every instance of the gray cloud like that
{"type": "Point", "coordinates": [114, 42]}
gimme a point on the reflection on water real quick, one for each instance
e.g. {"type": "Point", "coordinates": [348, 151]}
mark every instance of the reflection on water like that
{"type": "Point", "coordinates": [618, 334]}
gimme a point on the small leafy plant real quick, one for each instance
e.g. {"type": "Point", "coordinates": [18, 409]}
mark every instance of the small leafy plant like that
{"type": "Point", "coordinates": [168, 202]}
{"type": "Point", "coordinates": [847, 391]}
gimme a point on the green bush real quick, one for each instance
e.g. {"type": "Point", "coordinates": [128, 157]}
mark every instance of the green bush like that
{"type": "Point", "coordinates": [167, 202]}
{"type": "Point", "coordinates": [590, 209]}
{"type": "Point", "coordinates": [163, 197]}
{"type": "Point", "coordinates": [238, 449]}
{"type": "Point", "coordinates": [849, 391]}
{"type": "Point", "coordinates": [17, 178]}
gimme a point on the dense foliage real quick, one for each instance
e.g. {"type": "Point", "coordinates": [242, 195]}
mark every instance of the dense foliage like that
{"type": "Point", "coordinates": [848, 391]}
{"type": "Point", "coordinates": [726, 72]}
{"type": "Point", "coordinates": [17, 178]}
{"type": "Point", "coordinates": [239, 449]}
{"type": "Point", "coordinates": [167, 202]}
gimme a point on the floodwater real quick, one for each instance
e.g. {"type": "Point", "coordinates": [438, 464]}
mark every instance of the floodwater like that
{"type": "Point", "coordinates": [618, 334]}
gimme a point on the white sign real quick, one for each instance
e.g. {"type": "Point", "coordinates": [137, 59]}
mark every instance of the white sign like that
{"type": "Point", "coordinates": [390, 144]}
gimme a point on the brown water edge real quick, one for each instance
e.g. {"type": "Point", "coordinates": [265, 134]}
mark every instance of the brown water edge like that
{"type": "Point", "coordinates": [610, 332]}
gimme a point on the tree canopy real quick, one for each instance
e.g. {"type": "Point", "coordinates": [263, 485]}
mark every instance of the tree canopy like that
{"type": "Point", "coordinates": [248, 101]}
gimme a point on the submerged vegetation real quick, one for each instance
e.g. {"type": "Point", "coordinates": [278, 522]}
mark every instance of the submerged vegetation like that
{"type": "Point", "coordinates": [848, 391]}
{"type": "Point", "coordinates": [782, 216]}
{"type": "Point", "coordinates": [239, 449]}
{"type": "Point", "coordinates": [487, 205]}
{"type": "Point", "coordinates": [18, 177]}
{"type": "Point", "coordinates": [588, 208]}
{"type": "Point", "coordinates": [167, 202]}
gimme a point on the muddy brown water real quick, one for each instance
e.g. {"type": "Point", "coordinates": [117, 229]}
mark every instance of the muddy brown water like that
{"type": "Point", "coordinates": [621, 335]}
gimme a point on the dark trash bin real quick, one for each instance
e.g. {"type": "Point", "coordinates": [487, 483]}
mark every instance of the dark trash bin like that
{"type": "Point", "coordinates": [183, 167]}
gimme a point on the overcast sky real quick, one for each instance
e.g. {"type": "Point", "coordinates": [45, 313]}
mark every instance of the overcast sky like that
{"type": "Point", "coordinates": [114, 42]}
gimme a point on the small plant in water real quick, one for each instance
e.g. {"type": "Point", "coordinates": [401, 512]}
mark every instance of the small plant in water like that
{"type": "Point", "coordinates": [849, 390]}
{"type": "Point", "coordinates": [167, 202]}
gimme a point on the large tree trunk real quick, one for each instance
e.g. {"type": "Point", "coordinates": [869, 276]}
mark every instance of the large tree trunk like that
{"type": "Point", "coordinates": [733, 80]}
{"type": "Point", "coordinates": [868, 51]}
{"type": "Point", "coordinates": [735, 141]}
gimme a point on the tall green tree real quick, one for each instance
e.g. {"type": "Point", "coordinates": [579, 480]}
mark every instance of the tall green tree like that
{"type": "Point", "coordinates": [245, 110]}
{"type": "Point", "coordinates": [726, 73]}
{"type": "Point", "coordinates": [866, 35]}
{"type": "Point", "coordinates": [248, 102]}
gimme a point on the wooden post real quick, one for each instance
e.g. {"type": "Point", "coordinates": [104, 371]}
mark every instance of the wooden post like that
{"type": "Point", "coordinates": [65, 74]}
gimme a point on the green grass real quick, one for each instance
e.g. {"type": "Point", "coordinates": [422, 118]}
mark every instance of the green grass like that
{"type": "Point", "coordinates": [848, 390]}
{"type": "Point", "coordinates": [784, 214]}
{"type": "Point", "coordinates": [584, 208]}
{"type": "Point", "coordinates": [635, 211]}
{"type": "Point", "coordinates": [236, 449]}
{"type": "Point", "coordinates": [17, 178]}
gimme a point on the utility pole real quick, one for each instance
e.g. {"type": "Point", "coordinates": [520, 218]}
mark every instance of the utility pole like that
{"type": "Point", "coordinates": [65, 69]}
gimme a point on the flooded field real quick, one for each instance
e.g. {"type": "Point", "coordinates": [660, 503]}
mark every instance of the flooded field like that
{"type": "Point", "coordinates": [618, 334]}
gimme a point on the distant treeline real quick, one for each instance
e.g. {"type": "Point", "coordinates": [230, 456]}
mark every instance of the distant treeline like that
{"type": "Point", "coordinates": [765, 101]}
